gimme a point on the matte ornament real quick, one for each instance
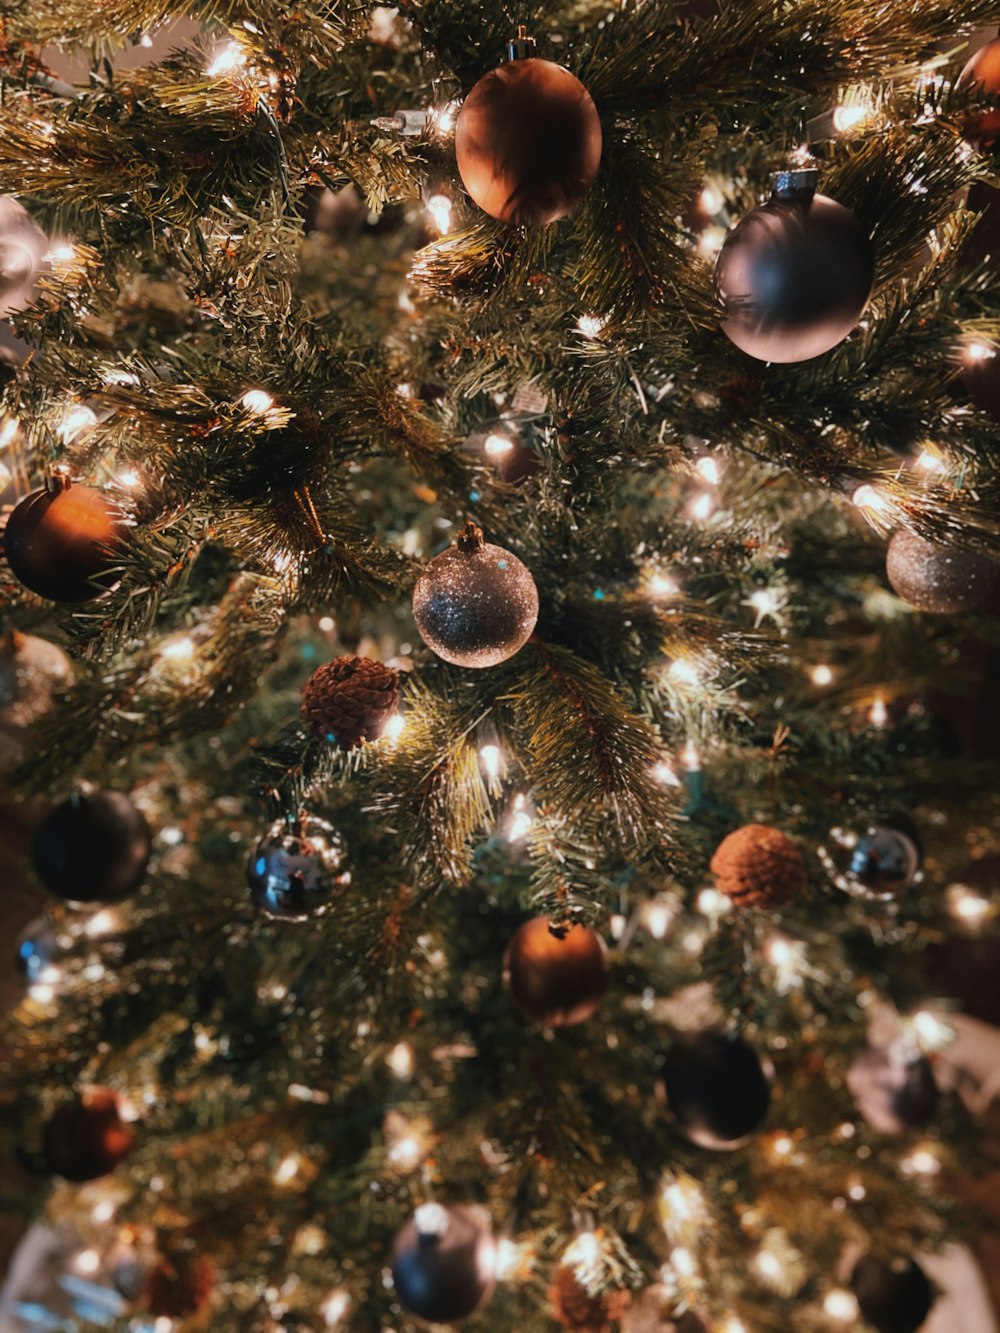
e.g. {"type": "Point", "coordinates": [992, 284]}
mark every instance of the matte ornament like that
{"type": "Point", "coordinates": [87, 1137]}
{"type": "Point", "coordinates": [93, 849]}
{"type": "Point", "coordinates": [444, 1263]}
{"type": "Point", "coordinates": [528, 141]}
{"type": "Point", "coordinates": [22, 245]}
{"type": "Point", "coordinates": [717, 1088]}
{"type": "Point", "coordinates": [294, 874]}
{"type": "Point", "coordinates": [794, 276]}
{"type": "Point", "coordinates": [893, 1095]}
{"type": "Point", "coordinates": [63, 538]}
{"type": "Point", "coordinates": [944, 580]}
{"type": "Point", "coordinates": [476, 604]}
{"type": "Point", "coordinates": [894, 1296]}
{"type": "Point", "coordinates": [758, 866]}
{"type": "Point", "coordinates": [981, 76]}
{"type": "Point", "coordinates": [32, 672]}
{"type": "Point", "coordinates": [557, 977]}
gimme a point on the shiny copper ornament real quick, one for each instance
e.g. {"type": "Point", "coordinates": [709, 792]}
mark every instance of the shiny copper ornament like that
{"type": "Point", "coordinates": [794, 276]}
{"type": "Point", "coordinates": [63, 538]}
{"type": "Point", "coordinates": [528, 139]}
{"type": "Point", "coordinates": [981, 76]}
{"type": "Point", "coordinates": [556, 976]}
{"type": "Point", "coordinates": [87, 1137]}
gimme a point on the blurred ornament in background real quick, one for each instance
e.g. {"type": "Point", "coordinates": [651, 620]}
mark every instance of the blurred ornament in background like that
{"type": "Point", "coordinates": [87, 1137]}
{"type": "Point", "coordinates": [32, 672]}
{"type": "Point", "coordinates": [37, 949]}
{"type": "Point", "coordinates": [650, 1313]}
{"type": "Point", "coordinates": [60, 540]}
{"type": "Point", "coordinates": [22, 247]}
{"type": "Point", "coordinates": [981, 364]}
{"type": "Point", "coordinates": [334, 213]}
{"type": "Point", "coordinates": [981, 79]}
{"type": "Point", "coordinates": [294, 872]}
{"type": "Point", "coordinates": [93, 848]}
{"type": "Point", "coordinates": [444, 1262]}
{"type": "Point", "coordinates": [759, 866]}
{"type": "Point", "coordinates": [349, 700]}
{"type": "Point", "coordinates": [180, 1283]}
{"type": "Point", "coordinates": [881, 863]}
{"type": "Point", "coordinates": [894, 1296]}
{"type": "Point", "coordinates": [944, 580]}
{"type": "Point", "coordinates": [557, 976]}
{"type": "Point", "coordinates": [794, 276]}
{"type": "Point", "coordinates": [574, 1307]}
{"type": "Point", "coordinates": [717, 1087]}
{"type": "Point", "coordinates": [894, 1090]}
{"type": "Point", "coordinates": [528, 139]}
{"type": "Point", "coordinates": [475, 604]}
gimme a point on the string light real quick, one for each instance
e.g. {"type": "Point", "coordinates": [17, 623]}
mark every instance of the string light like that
{"type": "Point", "coordinates": [8, 431]}
{"type": "Point", "coordinates": [690, 758]}
{"type": "Point", "coordinates": [978, 352]}
{"type": "Point", "coordinates": [394, 728]}
{"type": "Point", "coordinates": [101, 923]}
{"type": "Point", "coordinates": [489, 757]}
{"type": "Point", "coordinates": [439, 207]}
{"type": "Point", "coordinates": [257, 401]}
{"type": "Point", "coordinates": [787, 957]}
{"type": "Point", "coordinates": [682, 1262]}
{"type": "Point", "coordinates": [229, 59]}
{"type": "Point", "coordinates": [400, 1060]}
{"type": "Point", "coordinates": [711, 240]}
{"type": "Point", "coordinates": [511, 1259]}
{"type": "Point", "coordinates": [129, 478]}
{"type": "Point", "coordinates": [431, 1219]}
{"type": "Point", "coordinates": [334, 1307]}
{"type": "Point", "coordinates": [840, 1304]}
{"type": "Point", "coordinates": [764, 602]}
{"type": "Point", "coordinates": [287, 1169]}
{"type": "Point", "coordinates": [443, 118]}
{"type": "Point", "coordinates": [496, 446]}
{"type": "Point", "coordinates": [921, 1162]}
{"type": "Point", "coordinates": [659, 914]}
{"type": "Point", "coordinates": [878, 714]}
{"type": "Point", "coordinates": [77, 420]}
{"type": "Point", "coordinates": [660, 585]}
{"type": "Point", "coordinates": [583, 1255]}
{"type": "Point", "coordinates": [712, 903]}
{"type": "Point", "coordinates": [870, 499]}
{"type": "Point", "coordinates": [783, 1146]}
{"type": "Point", "coordinates": [178, 649]}
{"type": "Point", "coordinates": [708, 469]}
{"type": "Point", "coordinates": [684, 672]}
{"type": "Point", "coordinates": [821, 675]}
{"type": "Point", "coordinates": [930, 1032]}
{"type": "Point", "coordinates": [931, 462]}
{"type": "Point", "coordinates": [769, 1265]}
{"type": "Point", "coordinates": [87, 1261]}
{"type": "Point", "coordinates": [521, 820]}
{"type": "Point", "coordinates": [969, 906]}
{"type": "Point", "coordinates": [406, 1153]}
{"type": "Point", "coordinates": [591, 326]}
{"type": "Point", "coordinates": [103, 1211]}
{"type": "Point", "coordinates": [703, 506]}
{"type": "Point", "coordinates": [663, 773]}
{"type": "Point", "coordinates": [61, 255]}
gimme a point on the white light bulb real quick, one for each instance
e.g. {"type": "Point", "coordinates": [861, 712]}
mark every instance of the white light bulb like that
{"type": "Point", "coordinates": [394, 727]}
{"type": "Point", "coordinates": [821, 675]}
{"type": "Point", "coordinates": [78, 419]}
{"type": "Point", "coordinates": [662, 772]}
{"type": "Point", "coordinates": [684, 672]}
{"type": "Point", "coordinates": [230, 58]}
{"type": "Point", "coordinates": [287, 1169]}
{"type": "Point", "coordinates": [870, 498]}
{"type": "Point", "coordinates": [590, 325]}
{"type": "Point", "coordinates": [87, 1261]}
{"type": "Point", "coordinates": [490, 758]}
{"type": "Point", "coordinates": [682, 1261]}
{"type": "Point", "coordinates": [703, 506]}
{"type": "Point", "coordinates": [878, 714]}
{"type": "Point", "coordinates": [439, 207]}
{"type": "Point", "coordinates": [662, 585]}
{"type": "Point", "coordinates": [708, 469]}
{"type": "Point", "coordinates": [400, 1060]}
{"type": "Point", "coordinates": [257, 401]}
{"type": "Point", "coordinates": [842, 1305]}
{"type": "Point", "coordinates": [334, 1307]}
{"type": "Point", "coordinates": [498, 445]}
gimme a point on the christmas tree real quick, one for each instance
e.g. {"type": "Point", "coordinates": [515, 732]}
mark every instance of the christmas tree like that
{"type": "Point", "coordinates": [500, 541]}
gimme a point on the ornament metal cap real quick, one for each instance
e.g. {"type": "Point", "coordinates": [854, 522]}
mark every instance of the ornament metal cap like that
{"type": "Point", "coordinates": [58, 479]}
{"type": "Point", "coordinates": [521, 47]}
{"type": "Point", "coordinates": [796, 182]}
{"type": "Point", "coordinates": [470, 539]}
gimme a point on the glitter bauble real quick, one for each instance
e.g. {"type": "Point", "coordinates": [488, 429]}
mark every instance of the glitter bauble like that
{"type": "Point", "coordinates": [717, 1087]}
{"type": "Point", "coordinates": [475, 604]}
{"type": "Point", "coordinates": [63, 538]}
{"type": "Point", "coordinates": [294, 873]}
{"type": "Point", "coordinates": [87, 1137]}
{"type": "Point", "coordinates": [944, 580]}
{"type": "Point", "coordinates": [981, 78]}
{"type": "Point", "coordinates": [893, 1094]}
{"type": "Point", "coordinates": [556, 976]}
{"type": "Point", "coordinates": [444, 1263]}
{"type": "Point", "coordinates": [794, 276]}
{"type": "Point", "coordinates": [22, 245]}
{"type": "Point", "coordinates": [758, 866]}
{"type": "Point", "coordinates": [894, 1296]}
{"type": "Point", "coordinates": [349, 700]}
{"type": "Point", "coordinates": [93, 849]}
{"type": "Point", "coordinates": [32, 672]}
{"type": "Point", "coordinates": [528, 142]}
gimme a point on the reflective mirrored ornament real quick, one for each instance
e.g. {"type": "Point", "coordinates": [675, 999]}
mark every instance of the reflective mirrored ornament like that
{"type": "Point", "coordinates": [294, 873]}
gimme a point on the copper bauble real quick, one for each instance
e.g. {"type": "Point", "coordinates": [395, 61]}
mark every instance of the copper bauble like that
{"type": "Point", "coordinates": [294, 873]}
{"type": "Point", "coordinates": [528, 142]}
{"type": "Point", "coordinates": [556, 976]}
{"type": "Point", "coordinates": [444, 1263]}
{"type": "Point", "coordinates": [476, 604]}
{"type": "Point", "coordinates": [981, 78]}
{"type": "Point", "coordinates": [758, 866]}
{"type": "Point", "coordinates": [944, 580]}
{"type": "Point", "coordinates": [794, 277]}
{"type": "Point", "coordinates": [63, 538]}
{"type": "Point", "coordinates": [717, 1087]}
{"type": "Point", "coordinates": [93, 849]}
{"type": "Point", "coordinates": [894, 1296]}
{"type": "Point", "coordinates": [32, 672]}
{"type": "Point", "coordinates": [87, 1137]}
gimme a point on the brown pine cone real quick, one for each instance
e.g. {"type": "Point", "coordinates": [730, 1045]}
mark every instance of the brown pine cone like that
{"type": "Point", "coordinates": [758, 866]}
{"type": "Point", "coordinates": [575, 1308]}
{"type": "Point", "coordinates": [349, 700]}
{"type": "Point", "coordinates": [180, 1285]}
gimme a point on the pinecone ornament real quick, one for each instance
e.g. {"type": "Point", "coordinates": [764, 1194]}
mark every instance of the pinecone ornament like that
{"type": "Point", "coordinates": [349, 700]}
{"type": "Point", "coordinates": [574, 1307]}
{"type": "Point", "coordinates": [758, 866]}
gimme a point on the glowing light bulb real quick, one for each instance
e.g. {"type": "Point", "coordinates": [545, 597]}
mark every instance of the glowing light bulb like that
{"type": "Point", "coordinates": [821, 675]}
{"type": "Point", "coordinates": [406, 1153]}
{"type": "Point", "coordinates": [931, 462]}
{"type": "Point", "coordinates": [590, 326]}
{"type": "Point", "coordinates": [782, 1146]}
{"type": "Point", "coordinates": [921, 1162]}
{"type": "Point", "coordinates": [878, 714]}
{"type": "Point", "coordinates": [769, 1265]}
{"type": "Point", "coordinates": [521, 821]}
{"type": "Point", "coordinates": [78, 419]}
{"type": "Point", "coordinates": [849, 117]}
{"type": "Point", "coordinates": [840, 1304]}
{"type": "Point", "coordinates": [129, 479]}
{"type": "Point", "coordinates": [101, 923]}
{"type": "Point", "coordinates": [684, 672]}
{"type": "Point", "coordinates": [931, 1033]}
{"type": "Point", "coordinates": [682, 1262]}
{"type": "Point", "coordinates": [764, 602]}
{"type": "Point", "coordinates": [400, 1060]}
{"type": "Point", "coordinates": [710, 200]}
{"type": "Point", "coordinates": [711, 240]}
{"type": "Point", "coordinates": [394, 728]}
{"type": "Point", "coordinates": [870, 499]}
{"type": "Point", "coordinates": [87, 1261]}
{"type": "Point", "coordinates": [103, 1211]}
{"type": "Point", "coordinates": [498, 445]}
{"type": "Point", "coordinates": [257, 401]}
{"type": "Point", "coordinates": [690, 758]}
{"type": "Point", "coordinates": [583, 1254]}
{"type": "Point", "coordinates": [658, 918]}
{"type": "Point", "coordinates": [703, 506]}
{"type": "Point", "coordinates": [334, 1307]}
{"type": "Point", "coordinates": [708, 469]}
{"type": "Point", "coordinates": [226, 61]}
{"type": "Point", "coordinates": [431, 1219]}
{"type": "Point", "coordinates": [978, 351]}
{"type": "Point", "coordinates": [180, 649]}
{"type": "Point", "coordinates": [287, 1169]}
{"type": "Point", "coordinates": [8, 431]}
{"type": "Point", "coordinates": [489, 756]}
{"type": "Point", "coordinates": [662, 586]}
{"type": "Point", "coordinates": [969, 906]}
{"type": "Point", "coordinates": [61, 254]}
{"type": "Point", "coordinates": [712, 903]}
{"type": "Point", "coordinates": [444, 117]}
{"type": "Point", "coordinates": [439, 207]}
{"type": "Point", "coordinates": [662, 772]}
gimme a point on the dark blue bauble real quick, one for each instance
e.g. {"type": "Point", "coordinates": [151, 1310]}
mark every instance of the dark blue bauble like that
{"type": "Point", "coordinates": [444, 1263]}
{"type": "Point", "coordinates": [293, 874]}
{"type": "Point", "coordinates": [717, 1087]}
{"type": "Point", "coordinates": [93, 849]}
{"type": "Point", "coordinates": [893, 1296]}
